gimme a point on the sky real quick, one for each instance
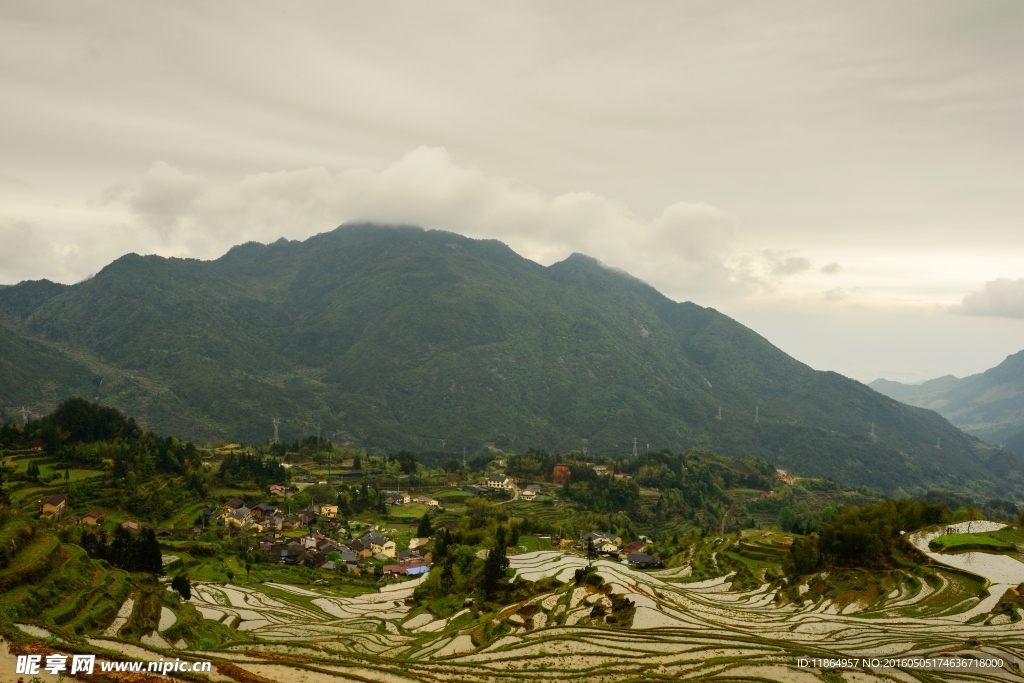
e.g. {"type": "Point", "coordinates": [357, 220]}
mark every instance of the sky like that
{"type": "Point", "coordinates": [845, 178]}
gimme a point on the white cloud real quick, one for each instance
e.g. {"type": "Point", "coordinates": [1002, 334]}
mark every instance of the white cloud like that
{"type": "Point", "coordinates": [690, 249]}
{"type": "Point", "coordinates": [1002, 297]}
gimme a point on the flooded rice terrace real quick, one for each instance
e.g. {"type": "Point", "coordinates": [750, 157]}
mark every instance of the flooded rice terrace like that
{"type": "Point", "coordinates": [699, 630]}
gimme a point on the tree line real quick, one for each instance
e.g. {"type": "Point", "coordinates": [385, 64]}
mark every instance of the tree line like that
{"type": "Point", "coordinates": [133, 553]}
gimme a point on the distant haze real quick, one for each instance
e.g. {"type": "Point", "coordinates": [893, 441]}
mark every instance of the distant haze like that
{"type": "Point", "coordinates": [846, 179]}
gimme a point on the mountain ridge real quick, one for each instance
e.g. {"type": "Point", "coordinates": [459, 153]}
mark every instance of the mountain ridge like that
{"type": "Point", "coordinates": [392, 337]}
{"type": "Point", "coordinates": [989, 404]}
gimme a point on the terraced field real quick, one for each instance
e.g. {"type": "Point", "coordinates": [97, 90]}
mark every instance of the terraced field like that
{"type": "Point", "coordinates": [679, 628]}
{"type": "Point", "coordinates": [719, 614]}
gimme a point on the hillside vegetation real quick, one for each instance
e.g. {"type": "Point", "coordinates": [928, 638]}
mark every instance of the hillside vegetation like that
{"type": "Point", "coordinates": [391, 338]}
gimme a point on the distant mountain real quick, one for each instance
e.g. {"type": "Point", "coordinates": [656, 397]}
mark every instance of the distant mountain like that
{"type": "Point", "coordinates": [400, 337]}
{"type": "Point", "coordinates": [989, 405]}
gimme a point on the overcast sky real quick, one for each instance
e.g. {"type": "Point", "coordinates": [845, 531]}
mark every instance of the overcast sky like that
{"type": "Point", "coordinates": [845, 178]}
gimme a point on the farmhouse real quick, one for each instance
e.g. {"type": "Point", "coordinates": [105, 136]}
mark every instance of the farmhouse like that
{"type": "Point", "coordinates": [264, 511]}
{"type": "Point", "coordinates": [426, 500]}
{"type": "Point", "coordinates": [643, 560]}
{"type": "Point", "coordinates": [94, 518]}
{"type": "Point", "coordinates": [499, 481]}
{"type": "Point", "coordinates": [54, 506]}
{"type": "Point", "coordinates": [603, 541]}
{"type": "Point", "coordinates": [235, 503]}
{"type": "Point", "coordinates": [528, 494]}
{"type": "Point", "coordinates": [276, 490]}
{"type": "Point", "coordinates": [329, 511]}
{"type": "Point", "coordinates": [378, 544]}
{"type": "Point", "coordinates": [601, 470]}
{"type": "Point", "coordinates": [132, 527]}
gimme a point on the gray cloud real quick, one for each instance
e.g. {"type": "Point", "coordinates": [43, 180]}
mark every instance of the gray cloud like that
{"type": "Point", "coordinates": [721, 152]}
{"type": "Point", "coordinates": [1002, 297]}
{"type": "Point", "coordinates": [791, 265]}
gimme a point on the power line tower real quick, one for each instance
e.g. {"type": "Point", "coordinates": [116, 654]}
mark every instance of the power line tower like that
{"type": "Point", "coordinates": [277, 423]}
{"type": "Point", "coordinates": [634, 447]}
{"type": "Point", "coordinates": [938, 444]}
{"type": "Point", "coordinates": [719, 412]}
{"type": "Point", "coordinates": [872, 430]}
{"type": "Point", "coordinates": [24, 416]}
{"type": "Point", "coordinates": [757, 414]}
{"type": "Point", "coordinates": [463, 457]}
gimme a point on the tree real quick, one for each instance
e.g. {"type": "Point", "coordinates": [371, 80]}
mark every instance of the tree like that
{"type": "Point", "coordinates": [425, 529]}
{"type": "Point", "coordinates": [181, 585]}
{"type": "Point", "coordinates": [496, 563]}
{"type": "Point", "coordinates": [448, 576]}
{"type": "Point", "coordinates": [248, 565]}
{"type": "Point", "coordinates": [67, 475]}
{"type": "Point", "coordinates": [147, 553]}
{"type": "Point", "coordinates": [591, 552]}
{"type": "Point", "coordinates": [122, 550]}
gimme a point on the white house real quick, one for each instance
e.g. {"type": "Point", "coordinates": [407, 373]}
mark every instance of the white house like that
{"type": "Point", "coordinates": [499, 481]}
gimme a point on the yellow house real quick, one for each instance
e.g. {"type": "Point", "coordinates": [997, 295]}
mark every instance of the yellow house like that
{"type": "Point", "coordinates": [54, 506]}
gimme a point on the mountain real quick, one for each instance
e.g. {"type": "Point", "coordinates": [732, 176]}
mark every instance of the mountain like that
{"type": "Point", "coordinates": [32, 374]}
{"type": "Point", "coordinates": [397, 337]}
{"type": "Point", "coordinates": [989, 405]}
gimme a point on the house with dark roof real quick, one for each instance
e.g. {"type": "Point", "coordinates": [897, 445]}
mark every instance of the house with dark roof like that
{"type": "Point", "coordinates": [377, 544]}
{"type": "Point", "coordinates": [53, 506]}
{"type": "Point", "coordinates": [499, 481]}
{"type": "Point", "coordinates": [235, 503]}
{"type": "Point", "coordinates": [265, 511]}
{"type": "Point", "coordinates": [94, 518]}
{"type": "Point", "coordinates": [643, 560]}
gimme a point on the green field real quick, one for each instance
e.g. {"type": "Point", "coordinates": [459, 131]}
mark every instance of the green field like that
{"type": "Point", "coordinates": [1004, 540]}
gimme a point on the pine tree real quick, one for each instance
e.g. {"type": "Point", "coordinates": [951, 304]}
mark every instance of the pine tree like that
{"type": "Point", "coordinates": [122, 550]}
{"type": "Point", "coordinates": [591, 552]}
{"type": "Point", "coordinates": [425, 529]}
{"type": "Point", "coordinates": [496, 563]}
{"type": "Point", "coordinates": [149, 558]}
{"type": "Point", "coordinates": [448, 577]}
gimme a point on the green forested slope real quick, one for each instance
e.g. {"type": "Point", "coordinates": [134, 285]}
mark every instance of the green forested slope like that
{"type": "Point", "coordinates": [399, 337]}
{"type": "Point", "coordinates": [34, 375]}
